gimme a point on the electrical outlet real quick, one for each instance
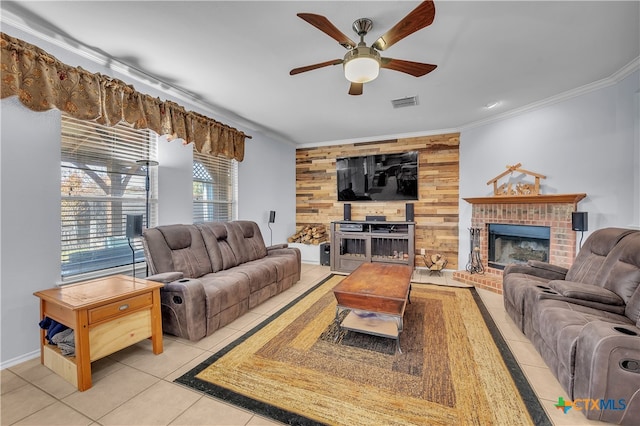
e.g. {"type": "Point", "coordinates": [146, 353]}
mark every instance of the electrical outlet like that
{"type": "Point", "coordinates": [423, 252]}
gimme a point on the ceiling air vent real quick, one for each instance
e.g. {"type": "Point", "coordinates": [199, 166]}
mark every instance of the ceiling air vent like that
{"type": "Point", "coordinates": [405, 102]}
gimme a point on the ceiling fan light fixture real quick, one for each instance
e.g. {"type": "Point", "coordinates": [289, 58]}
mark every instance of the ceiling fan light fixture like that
{"type": "Point", "coordinates": [361, 65]}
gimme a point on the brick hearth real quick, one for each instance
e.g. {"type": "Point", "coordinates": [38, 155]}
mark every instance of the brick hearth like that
{"type": "Point", "coordinates": [553, 211]}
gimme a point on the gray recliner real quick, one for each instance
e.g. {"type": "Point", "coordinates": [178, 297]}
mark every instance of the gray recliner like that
{"type": "Point", "coordinates": [215, 272]}
{"type": "Point", "coordinates": [585, 323]}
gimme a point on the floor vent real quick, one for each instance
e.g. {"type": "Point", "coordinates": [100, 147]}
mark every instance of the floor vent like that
{"type": "Point", "coordinates": [405, 102]}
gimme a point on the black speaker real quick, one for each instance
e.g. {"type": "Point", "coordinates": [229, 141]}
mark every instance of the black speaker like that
{"type": "Point", "coordinates": [325, 254]}
{"type": "Point", "coordinates": [272, 216]}
{"type": "Point", "coordinates": [409, 212]}
{"type": "Point", "coordinates": [134, 225]}
{"type": "Point", "coordinates": [579, 221]}
{"type": "Point", "coordinates": [347, 211]}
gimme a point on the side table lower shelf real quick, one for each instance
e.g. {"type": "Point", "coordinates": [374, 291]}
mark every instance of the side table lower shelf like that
{"type": "Point", "coordinates": [63, 366]}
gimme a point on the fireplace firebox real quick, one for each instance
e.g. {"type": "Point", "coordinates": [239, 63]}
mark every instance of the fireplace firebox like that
{"type": "Point", "coordinates": [517, 244]}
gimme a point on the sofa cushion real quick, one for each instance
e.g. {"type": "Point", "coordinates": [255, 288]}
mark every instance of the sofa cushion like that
{"type": "Point", "coordinates": [286, 262]}
{"type": "Point", "coordinates": [632, 310]}
{"type": "Point", "coordinates": [624, 280]}
{"type": "Point", "coordinates": [245, 240]}
{"type": "Point", "coordinates": [212, 301]}
{"type": "Point", "coordinates": [233, 287]}
{"type": "Point", "coordinates": [177, 248]}
{"type": "Point", "coordinates": [558, 324]}
{"type": "Point", "coordinates": [587, 266]}
{"type": "Point", "coordinates": [624, 266]}
{"type": "Point", "coordinates": [558, 328]}
{"type": "Point", "coordinates": [588, 292]}
{"type": "Point", "coordinates": [260, 274]}
{"type": "Point", "coordinates": [514, 286]}
{"type": "Point", "coordinates": [220, 252]}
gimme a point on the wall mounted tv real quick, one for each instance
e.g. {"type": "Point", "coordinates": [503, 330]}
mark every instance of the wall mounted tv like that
{"type": "Point", "coordinates": [379, 177]}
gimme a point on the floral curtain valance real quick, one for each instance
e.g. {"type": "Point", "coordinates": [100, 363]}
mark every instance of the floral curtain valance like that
{"type": "Point", "coordinates": [41, 82]}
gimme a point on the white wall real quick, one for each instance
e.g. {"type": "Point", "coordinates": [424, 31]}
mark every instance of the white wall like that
{"type": "Point", "coordinates": [586, 144]}
{"type": "Point", "coordinates": [30, 210]}
{"type": "Point", "coordinates": [30, 222]}
{"type": "Point", "coordinates": [175, 182]}
{"type": "Point", "coordinates": [266, 182]}
{"type": "Point", "coordinates": [636, 156]}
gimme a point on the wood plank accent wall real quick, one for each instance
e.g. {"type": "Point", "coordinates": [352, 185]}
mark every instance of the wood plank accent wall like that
{"type": "Point", "coordinates": [436, 210]}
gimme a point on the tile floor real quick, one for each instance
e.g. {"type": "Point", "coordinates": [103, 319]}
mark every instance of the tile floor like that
{"type": "Point", "coordinates": [135, 387]}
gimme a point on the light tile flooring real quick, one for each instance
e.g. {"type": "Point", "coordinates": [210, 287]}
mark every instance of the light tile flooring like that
{"type": "Point", "coordinates": [135, 387]}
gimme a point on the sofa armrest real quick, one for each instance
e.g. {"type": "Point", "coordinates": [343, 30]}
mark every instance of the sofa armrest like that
{"type": "Point", "coordinates": [537, 269]}
{"type": "Point", "coordinates": [278, 246]}
{"type": "Point", "coordinates": [607, 368]}
{"type": "Point", "coordinates": [548, 267]}
{"type": "Point", "coordinates": [166, 277]}
{"type": "Point", "coordinates": [588, 292]}
{"type": "Point", "coordinates": [184, 311]}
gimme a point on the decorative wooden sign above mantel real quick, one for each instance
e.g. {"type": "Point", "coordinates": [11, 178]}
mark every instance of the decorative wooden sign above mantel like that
{"type": "Point", "coordinates": [522, 193]}
{"type": "Point", "coordinates": [528, 199]}
{"type": "Point", "coordinates": [520, 188]}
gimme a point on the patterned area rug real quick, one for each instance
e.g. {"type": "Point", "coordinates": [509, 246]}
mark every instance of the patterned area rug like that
{"type": "Point", "coordinates": [298, 367]}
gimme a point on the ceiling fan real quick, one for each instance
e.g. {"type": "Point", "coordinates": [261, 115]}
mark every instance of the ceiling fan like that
{"type": "Point", "coordinates": [362, 63]}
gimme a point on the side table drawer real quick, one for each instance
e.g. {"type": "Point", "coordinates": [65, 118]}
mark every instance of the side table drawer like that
{"type": "Point", "coordinates": [119, 333]}
{"type": "Point", "coordinates": [121, 307]}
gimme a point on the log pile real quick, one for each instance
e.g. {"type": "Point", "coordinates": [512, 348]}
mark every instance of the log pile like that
{"type": "Point", "coordinates": [310, 234]}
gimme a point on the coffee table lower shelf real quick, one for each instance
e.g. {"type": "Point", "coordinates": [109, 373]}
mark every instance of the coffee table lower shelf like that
{"type": "Point", "coordinates": [381, 325]}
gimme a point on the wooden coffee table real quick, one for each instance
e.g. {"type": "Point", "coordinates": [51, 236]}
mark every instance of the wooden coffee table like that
{"type": "Point", "coordinates": [376, 294]}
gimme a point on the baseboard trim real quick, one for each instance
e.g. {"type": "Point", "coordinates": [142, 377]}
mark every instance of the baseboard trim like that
{"type": "Point", "coordinates": [20, 359]}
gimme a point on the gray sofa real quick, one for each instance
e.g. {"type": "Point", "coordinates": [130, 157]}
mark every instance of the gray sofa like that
{"type": "Point", "coordinates": [585, 322]}
{"type": "Point", "coordinates": [215, 272]}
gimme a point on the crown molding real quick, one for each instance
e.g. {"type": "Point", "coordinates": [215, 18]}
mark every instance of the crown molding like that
{"type": "Point", "coordinates": [377, 138]}
{"type": "Point", "coordinates": [614, 78]}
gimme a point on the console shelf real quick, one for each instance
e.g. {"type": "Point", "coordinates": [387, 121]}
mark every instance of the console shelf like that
{"type": "Point", "coordinates": [356, 242]}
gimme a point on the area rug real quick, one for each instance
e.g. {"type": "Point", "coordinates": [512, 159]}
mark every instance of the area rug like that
{"type": "Point", "coordinates": [299, 367]}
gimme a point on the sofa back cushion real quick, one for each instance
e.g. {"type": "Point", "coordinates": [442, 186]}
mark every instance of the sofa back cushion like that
{"type": "Point", "coordinates": [632, 310]}
{"type": "Point", "coordinates": [176, 248]}
{"type": "Point", "coordinates": [623, 267]}
{"type": "Point", "coordinates": [587, 267]}
{"type": "Point", "coordinates": [246, 240]}
{"type": "Point", "coordinates": [217, 242]}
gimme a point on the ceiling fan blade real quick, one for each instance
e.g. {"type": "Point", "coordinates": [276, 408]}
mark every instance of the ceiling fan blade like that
{"type": "Point", "coordinates": [323, 24]}
{"type": "Point", "coordinates": [416, 69]}
{"type": "Point", "coordinates": [420, 17]}
{"type": "Point", "coordinates": [315, 66]}
{"type": "Point", "coordinates": [356, 88]}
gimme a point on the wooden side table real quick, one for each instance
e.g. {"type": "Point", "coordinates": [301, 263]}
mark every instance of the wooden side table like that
{"type": "Point", "coordinates": [106, 314]}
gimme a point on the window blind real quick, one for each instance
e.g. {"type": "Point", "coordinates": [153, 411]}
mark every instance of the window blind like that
{"type": "Point", "coordinates": [215, 188]}
{"type": "Point", "coordinates": [100, 184]}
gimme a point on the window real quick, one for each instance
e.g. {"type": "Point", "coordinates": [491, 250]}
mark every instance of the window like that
{"type": "Point", "coordinates": [100, 184]}
{"type": "Point", "coordinates": [215, 188]}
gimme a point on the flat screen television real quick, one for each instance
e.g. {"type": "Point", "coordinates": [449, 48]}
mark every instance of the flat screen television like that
{"type": "Point", "coordinates": [379, 177]}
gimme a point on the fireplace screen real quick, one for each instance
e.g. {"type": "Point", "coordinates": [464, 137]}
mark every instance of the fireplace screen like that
{"type": "Point", "coordinates": [517, 244]}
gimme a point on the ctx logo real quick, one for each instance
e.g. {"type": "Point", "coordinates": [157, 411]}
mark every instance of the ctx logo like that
{"type": "Point", "coordinates": [590, 404]}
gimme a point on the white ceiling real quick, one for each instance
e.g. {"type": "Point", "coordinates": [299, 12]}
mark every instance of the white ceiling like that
{"type": "Point", "coordinates": [235, 57]}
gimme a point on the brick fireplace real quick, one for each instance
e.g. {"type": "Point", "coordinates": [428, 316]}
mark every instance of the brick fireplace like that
{"type": "Point", "coordinates": [553, 211]}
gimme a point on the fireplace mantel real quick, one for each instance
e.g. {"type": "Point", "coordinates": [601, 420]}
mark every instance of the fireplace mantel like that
{"type": "Point", "coordinates": [527, 199]}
